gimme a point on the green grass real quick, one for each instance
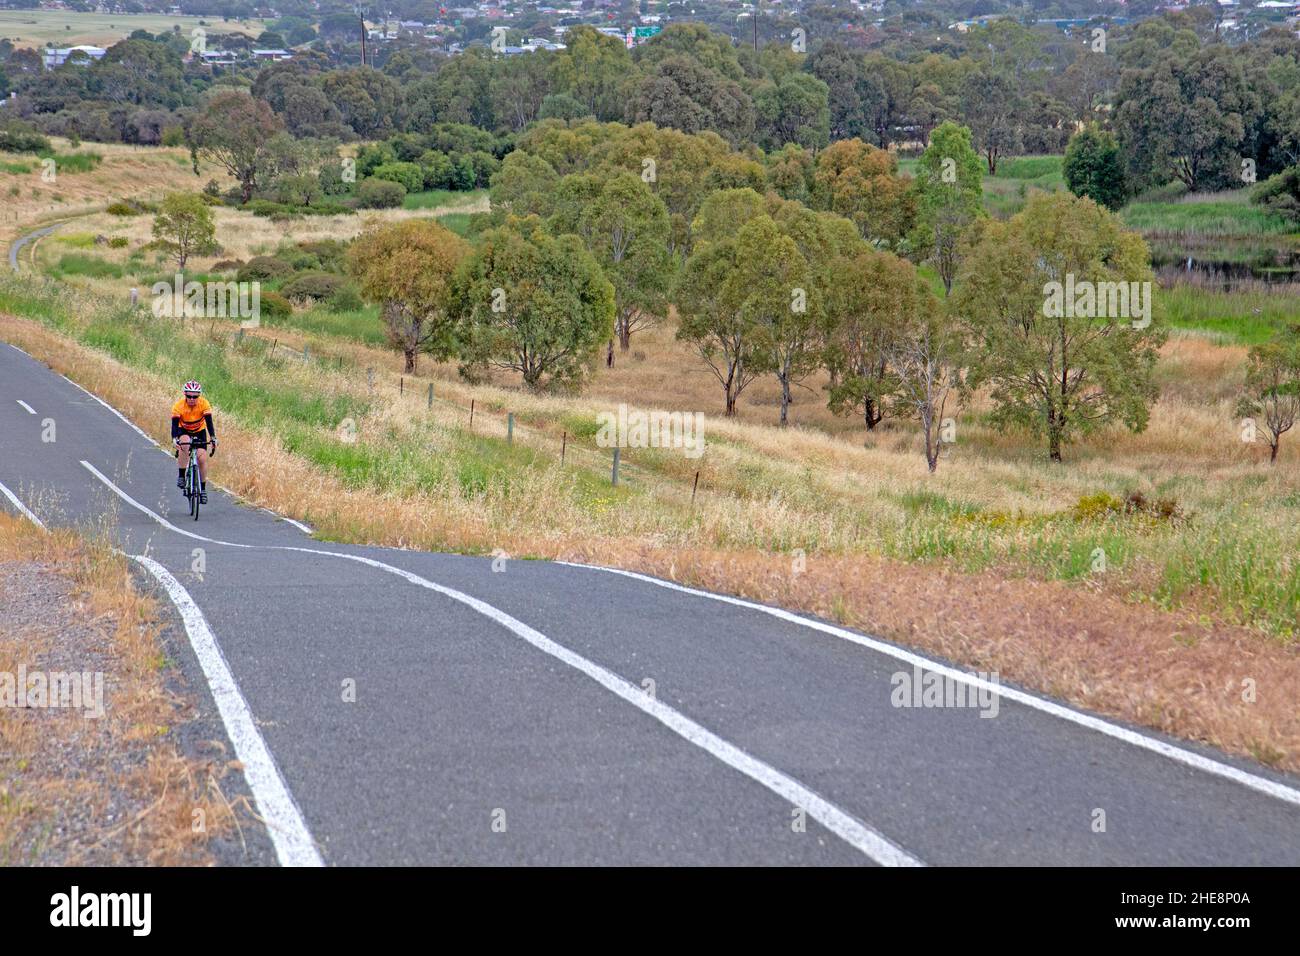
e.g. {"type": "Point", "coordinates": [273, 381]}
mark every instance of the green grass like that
{"type": "Point", "coordinates": [457, 222]}
{"type": "Point", "coordinates": [1247, 318]}
{"type": "Point", "coordinates": [17, 169]}
{"type": "Point", "coordinates": [931, 276]}
{"type": "Point", "coordinates": [75, 162]}
{"type": "Point", "coordinates": [362, 325]}
{"type": "Point", "coordinates": [1043, 170]}
{"type": "Point", "coordinates": [1005, 193]}
{"type": "Point", "coordinates": [77, 264]}
{"type": "Point", "coordinates": [436, 198]}
{"type": "Point", "coordinates": [78, 240]}
{"type": "Point", "coordinates": [1227, 218]}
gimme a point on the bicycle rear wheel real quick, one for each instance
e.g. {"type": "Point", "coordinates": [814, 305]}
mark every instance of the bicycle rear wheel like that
{"type": "Point", "coordinates": [192, 488]}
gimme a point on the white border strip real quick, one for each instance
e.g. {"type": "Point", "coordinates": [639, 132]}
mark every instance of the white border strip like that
{"type": "Point", "coordinates": [22, 508]}
{"type": "Point", "coordinates": [293, 842]}
{"type": "Point", "coordinates": [847, 827]}
{"type": "Point", "coordinates": [30, 410]}
{"type": "Point", "coordinates": [1189, 758]}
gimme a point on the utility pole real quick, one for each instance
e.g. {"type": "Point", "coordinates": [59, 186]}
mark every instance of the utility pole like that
{"type": "Point", "coordinates": [755, 26]}
{"type": "Point", "coordinates": [362, 19]}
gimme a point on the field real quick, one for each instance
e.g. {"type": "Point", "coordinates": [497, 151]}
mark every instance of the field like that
{"type": "Point", "coordinates": [41, 28]}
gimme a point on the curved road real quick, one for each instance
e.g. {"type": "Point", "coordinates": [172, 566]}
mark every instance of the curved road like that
{"type": "Point", "coordinates": [544, 713]}
{"type": "Point", "coordinates": [21, 241]}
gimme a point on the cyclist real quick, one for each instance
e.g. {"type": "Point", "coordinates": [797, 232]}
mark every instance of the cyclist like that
{"type": "Point", "coordinates": [192, 422]}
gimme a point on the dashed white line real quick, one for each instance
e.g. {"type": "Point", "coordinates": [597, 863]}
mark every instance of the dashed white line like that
{"type": "Point", "coordinates": [847, 827]}
{"type": "Point", "coordinates": [30, 410]}
{"type": "Point", "coordinates": [1187, 757]}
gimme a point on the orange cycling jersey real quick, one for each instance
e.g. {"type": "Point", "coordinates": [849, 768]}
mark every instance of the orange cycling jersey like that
{"type": "Point", "coordinates": [191, 418]}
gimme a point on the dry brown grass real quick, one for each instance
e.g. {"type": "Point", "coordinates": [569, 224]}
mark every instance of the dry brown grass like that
{"type": "Point", "coordinates": [110, 791]}
{"type": "Point", "coordinates": [240, 236]}
{"type": "Point", "coordinates": [145, 172]}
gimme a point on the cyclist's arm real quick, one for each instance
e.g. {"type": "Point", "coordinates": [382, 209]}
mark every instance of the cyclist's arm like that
{"type": "Point", "coordinates": [176, 426]}
{"type": "Point", "coordinates": [212, 429]}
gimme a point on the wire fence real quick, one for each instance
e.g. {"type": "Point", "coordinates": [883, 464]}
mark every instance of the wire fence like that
{"type": "Point", "coordinates": [491, 420]}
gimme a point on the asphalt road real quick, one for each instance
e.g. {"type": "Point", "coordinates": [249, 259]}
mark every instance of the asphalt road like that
{"type": "Point", "coordinates": [543, 713]}
{"type": "Point", "coordinates": [21, 241]}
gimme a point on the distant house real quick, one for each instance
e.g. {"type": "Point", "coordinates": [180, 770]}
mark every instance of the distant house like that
{"type": "Point", "coordinates": [272, 55]}
{"type": "Point", "coordinates": [58, 56]}
{"type": "Point", "coordinates": [217, 57]}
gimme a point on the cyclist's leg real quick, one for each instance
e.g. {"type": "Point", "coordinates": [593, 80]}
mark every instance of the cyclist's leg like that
{"type": "Point", "coordinates": [201, 455]}
{"type": "Point", "coordinates": [182, 459]}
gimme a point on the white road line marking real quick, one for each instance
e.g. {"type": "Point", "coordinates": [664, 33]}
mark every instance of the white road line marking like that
{"type": "Point", "coordinates": [847, 827]}
{"type": "Point", "coordinates": [139, 431]}
{"type": "Point", "coordinates": [22, 508]}
{"type": "Point", "coordinates": [1189, 758]}
{"type": "Point", "coordinates": [297, 524]}
{"type": "Point", "coordinates": [294, 845]}
{"type": "Point", "coordinates": [30, 410]}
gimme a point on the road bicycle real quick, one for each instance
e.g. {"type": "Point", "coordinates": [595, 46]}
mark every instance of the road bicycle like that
{"type": "Point", "coordinates": [193, 480]}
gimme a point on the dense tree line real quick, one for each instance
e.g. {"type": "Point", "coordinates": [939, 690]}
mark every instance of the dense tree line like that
{"type": "Point", "coordinates": [1181, 105]}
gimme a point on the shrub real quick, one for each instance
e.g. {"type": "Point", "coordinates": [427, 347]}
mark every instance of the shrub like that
{"type": "Point", "coordinates": [346, 299]}
{"type": "Point", "coordinates": [439, 171]}
{"type": "Point", "coordinates": [117, 242]}
{"type": "Point", "coordinates": [408, 174]}
{"type": "Point", "coordinates": [301, 261]}
{"type": "Point", "coordinates": [316, 286]}
{"type": "Point", "coordinates": [332, 182]}
{"type": "Point", "coordinates": [124, 207]}
{"type": "Point", "coordinates": [329, 252]}
{"type": "Point", "coordinates": [1280, 194]}
{"type": "Point", "coordinates": [259, 268]}
{"type": "Point", "coordinates": [372, 156]}
{"type": "Point", "coordinates": [1099, 505]}
{"type": "Point", "coordinates": [275, 306]}
{"type": "Point", "coordinates": [267, 208]}
{"type": "Point", "coordinates": [380, 194]}
{"type": "Point", "coordinates": [1103, 505]}
{"type": "Point", "coordinates": [227, 265]}
{"type": "Point", "coordinates": [20, 141]}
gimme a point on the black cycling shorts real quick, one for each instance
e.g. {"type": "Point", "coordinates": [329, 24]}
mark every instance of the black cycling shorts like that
{"type": "Point", "coordinates": [200, 437]}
